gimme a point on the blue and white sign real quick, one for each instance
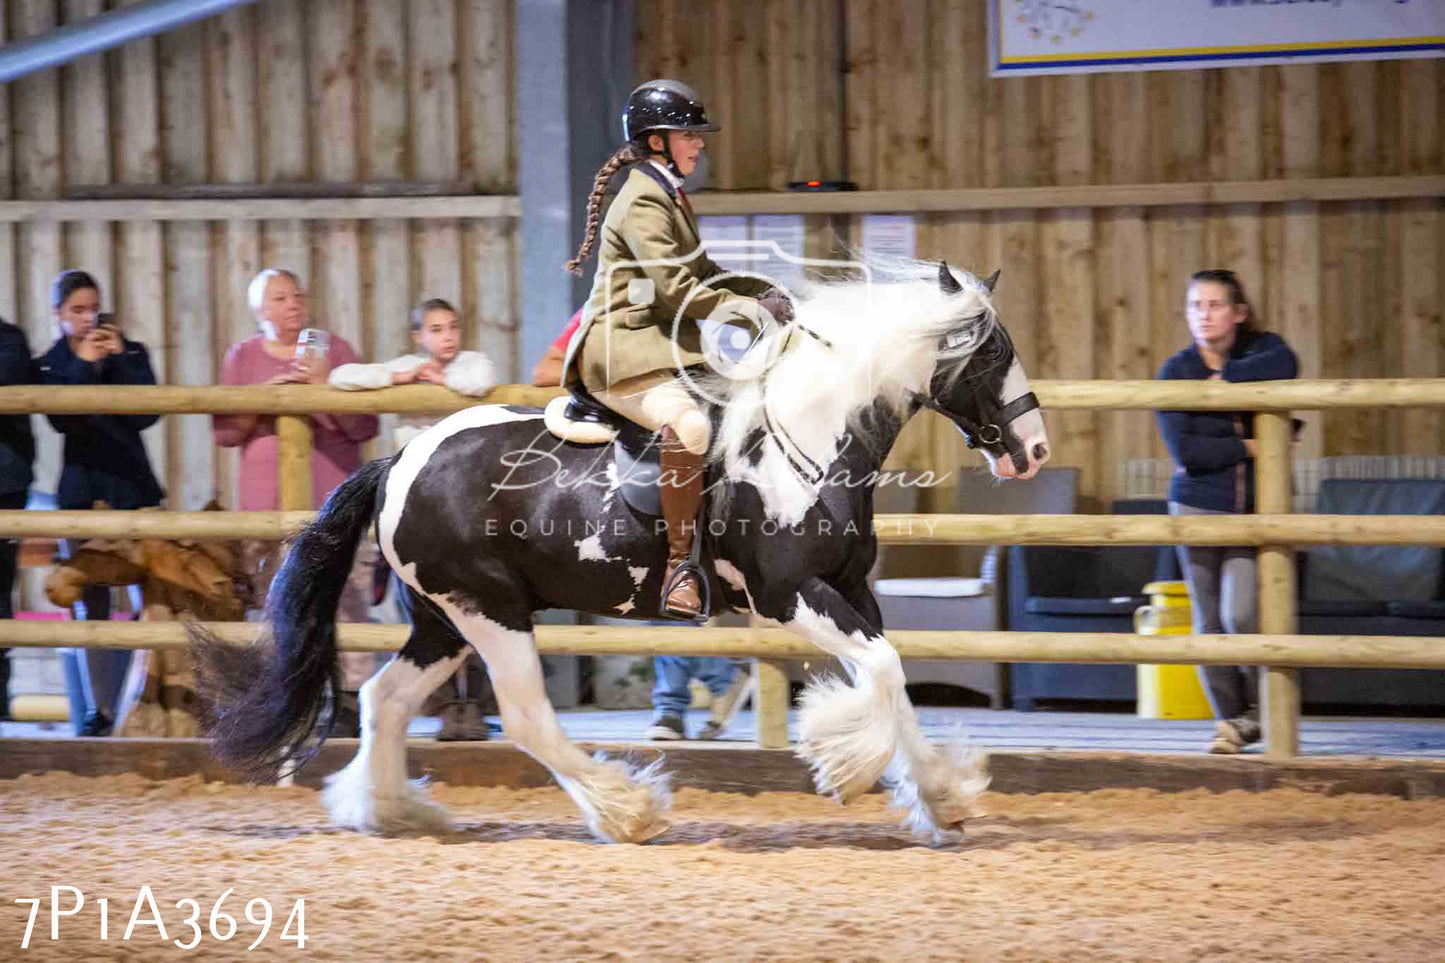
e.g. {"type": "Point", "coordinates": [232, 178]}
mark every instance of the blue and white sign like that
{"type": "Point", "coordinates": [1087, 36]}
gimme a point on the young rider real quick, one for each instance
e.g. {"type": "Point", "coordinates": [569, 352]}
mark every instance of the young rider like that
{"type": "Point", "coordinates": [650, 267]}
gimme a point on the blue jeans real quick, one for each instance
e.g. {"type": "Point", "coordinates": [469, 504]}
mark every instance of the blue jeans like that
{"type": "Point", "coordinates": [670, 696]}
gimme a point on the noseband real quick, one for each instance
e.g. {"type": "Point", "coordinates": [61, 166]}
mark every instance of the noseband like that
{"type": "Point", "coordinates": [977, 435]}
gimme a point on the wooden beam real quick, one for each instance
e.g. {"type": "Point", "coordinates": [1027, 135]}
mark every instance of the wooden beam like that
{"type": "Point", "coordinates": [1086, 195]}
{"type": "Point", "coordinates": [1342, 651]}
{"type": "Point", "coordinates": [260, 209]}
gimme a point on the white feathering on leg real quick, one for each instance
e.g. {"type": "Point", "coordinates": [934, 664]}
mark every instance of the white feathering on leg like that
{"type": "Point", "coordinates": [845, 735]}
{"type": "Point", "coordinates": [955, 774]}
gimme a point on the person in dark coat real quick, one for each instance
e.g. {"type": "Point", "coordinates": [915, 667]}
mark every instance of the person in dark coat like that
{"type": "Point", "coordinates": [1213, 453]}
{"type": "Point", "coordinates": [17, 456]}
{"type": "Point", "coordinates": [104, 457]}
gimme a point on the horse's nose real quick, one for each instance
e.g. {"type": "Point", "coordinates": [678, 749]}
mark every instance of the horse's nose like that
{"type": "Point", "coordinates": [1039, 453]}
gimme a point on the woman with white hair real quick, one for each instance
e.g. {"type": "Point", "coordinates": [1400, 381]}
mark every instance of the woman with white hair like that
{"type": "Point", "coordinates": [273, 356]}
{"type": "Point", "coordinates": [270, 357]}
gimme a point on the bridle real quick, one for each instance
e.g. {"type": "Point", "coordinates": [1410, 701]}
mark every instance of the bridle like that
{"type": "Point", "coordinates": [993, 418]}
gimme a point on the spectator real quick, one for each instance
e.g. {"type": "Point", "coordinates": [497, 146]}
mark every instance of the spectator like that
{"type": "Point", "coordinates": [17, 455]}
{"type": "Point", "coordinates": [278, 302]}
{"type": "Point", "coordinates": [671, 695]}
{"type": "Point", "coordinates": [436, 328]}
{"type": "Point", "coordinates": [548, 372]}
{"type": "Point", "coordinates": [104, 460]}
{"type": "Point", "coordinates": [1214, 456]}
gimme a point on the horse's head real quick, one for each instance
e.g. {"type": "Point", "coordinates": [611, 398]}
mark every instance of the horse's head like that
{"type": "Point", "coordinates": [986, 393]}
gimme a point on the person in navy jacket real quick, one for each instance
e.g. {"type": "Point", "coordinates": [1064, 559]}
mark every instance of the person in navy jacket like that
{"type": "Point", "coordinates": [17, 456]}
{"type": "Point", "coordinates": [104, 457]}
{"type": "Point", "coordinates": [1213, 453]}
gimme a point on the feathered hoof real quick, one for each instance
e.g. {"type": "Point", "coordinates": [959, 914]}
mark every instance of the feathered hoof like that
{"type": "Point", "coordinates": [624, 804]}
{"type": "Point", "coordinates": [838, 776]}
{"type": "Point", "coordinates": [847, 737]}
{"type": "Point", "coordinates": [411, 812]}
{"type": "Point", "coordinates": [957, 777]}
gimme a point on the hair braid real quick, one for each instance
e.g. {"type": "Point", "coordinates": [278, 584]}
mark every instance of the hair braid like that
{"type": "Point", "coordinates": [629, 153]}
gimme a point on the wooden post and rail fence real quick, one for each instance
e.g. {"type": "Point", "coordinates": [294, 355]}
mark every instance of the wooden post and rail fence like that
{"type": "Point", "coordinates": [1274, 531]}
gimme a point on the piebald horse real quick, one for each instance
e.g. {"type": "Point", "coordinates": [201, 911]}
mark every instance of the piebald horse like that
{"type": "Point", "coordinates": [488, 518]}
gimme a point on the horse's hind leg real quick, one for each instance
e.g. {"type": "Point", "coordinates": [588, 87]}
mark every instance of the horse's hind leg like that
{"type": "Point", "coordinates": [619, 802]}
{"type": "Point", "coordinates": [373, 794]}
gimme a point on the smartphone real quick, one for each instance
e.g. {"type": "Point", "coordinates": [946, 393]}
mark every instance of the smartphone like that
{"type": "Point", "coordinates": [104, 319]}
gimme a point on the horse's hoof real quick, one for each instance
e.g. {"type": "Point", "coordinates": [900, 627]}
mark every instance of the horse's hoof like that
{"type": "Point", "coordinates": [652, 831]}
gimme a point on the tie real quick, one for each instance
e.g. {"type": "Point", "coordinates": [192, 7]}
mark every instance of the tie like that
{"type": "Point", "coordinates": [686, 207]}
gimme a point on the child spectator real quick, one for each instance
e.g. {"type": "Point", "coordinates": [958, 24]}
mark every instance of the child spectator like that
{"type": "Point", "coordinates": [436, 328]}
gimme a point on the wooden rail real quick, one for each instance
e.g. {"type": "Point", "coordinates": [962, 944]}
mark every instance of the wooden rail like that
{"type": "Point", "coordinates": [424, 399]}
{"type": "Point", "coordinates": [891, 529]}
{"type": "Point", "coordinates": [1372, 652]}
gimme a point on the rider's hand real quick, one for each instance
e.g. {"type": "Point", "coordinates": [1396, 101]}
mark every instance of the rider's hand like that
{"type": "Point", "coordinates": [431, 373]}
{"type": "Point", "coordinates": [776, 303]}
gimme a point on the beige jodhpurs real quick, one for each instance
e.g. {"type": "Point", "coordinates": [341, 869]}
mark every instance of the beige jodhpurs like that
{"type": "Point", "coordinates": [655, 400]}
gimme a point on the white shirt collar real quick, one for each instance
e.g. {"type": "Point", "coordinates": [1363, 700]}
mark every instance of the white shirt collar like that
{"type": "Point", "coordinates": [672, 178]}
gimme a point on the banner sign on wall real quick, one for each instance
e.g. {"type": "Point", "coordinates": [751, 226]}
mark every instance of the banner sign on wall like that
{"type": "Point", "coordinates": [1088, 36]}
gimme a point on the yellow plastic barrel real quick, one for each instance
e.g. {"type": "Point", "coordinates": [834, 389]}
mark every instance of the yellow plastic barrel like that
{"type": "Point", "coordinates": [1168, 691]}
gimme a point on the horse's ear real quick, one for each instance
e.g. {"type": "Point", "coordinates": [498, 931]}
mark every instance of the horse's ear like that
{"type": "Point", "coordinates": [946, 280]}
{"type": "Point", "coordinates": [991, 280]}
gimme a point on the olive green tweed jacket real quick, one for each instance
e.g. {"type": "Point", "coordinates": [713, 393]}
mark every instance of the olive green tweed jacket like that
{"type": "Point", "coordinates": [650, 265]}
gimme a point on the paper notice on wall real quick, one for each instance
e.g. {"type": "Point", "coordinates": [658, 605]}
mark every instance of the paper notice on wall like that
{"type": "Point", "coordinates": [891, 235]}
{"type": "Point", "coordinates": [716, 227]}
{"type": "Point", "coordinates": [783, 263]}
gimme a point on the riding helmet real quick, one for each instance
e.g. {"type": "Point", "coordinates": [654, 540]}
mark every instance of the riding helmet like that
{"type": "Point", "coordinates": [664, 105]}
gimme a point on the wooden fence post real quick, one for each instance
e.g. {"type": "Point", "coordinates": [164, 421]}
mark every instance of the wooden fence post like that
{"type": "Point", "coordinates": [1279, 688]}
{"type": "Point", "coordinates": [773, 697]}
{"type": "Point", "coordinates": [293, 462]}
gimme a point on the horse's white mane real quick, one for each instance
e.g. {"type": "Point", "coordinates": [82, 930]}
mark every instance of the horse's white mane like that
{"type": "Point", "coordinates": [886, 334]}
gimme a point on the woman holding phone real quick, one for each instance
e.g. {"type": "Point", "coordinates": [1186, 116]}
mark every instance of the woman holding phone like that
{"type": "Point", "coordinates": [104, 458]}
{"type": "Point", "coordinates": [287, 350]}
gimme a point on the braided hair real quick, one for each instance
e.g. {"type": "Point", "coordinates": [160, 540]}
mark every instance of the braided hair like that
{"type": "Point", "coordinates": [629, 153]}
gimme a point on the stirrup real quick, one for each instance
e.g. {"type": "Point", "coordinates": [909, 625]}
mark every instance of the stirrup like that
{"type": "Point", "coordinates": [686, 567]}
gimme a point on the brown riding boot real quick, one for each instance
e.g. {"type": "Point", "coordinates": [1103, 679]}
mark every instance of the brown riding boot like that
{"type": "Point", "coordinates": [680, 490]}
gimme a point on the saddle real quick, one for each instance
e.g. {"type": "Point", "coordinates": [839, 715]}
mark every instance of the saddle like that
{"type": "Point", "coordinates": [583, 420]}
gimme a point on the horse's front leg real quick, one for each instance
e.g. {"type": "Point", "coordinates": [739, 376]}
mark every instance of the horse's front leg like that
{"type": "Point", "coordinates": [848, 732]}
{"type": "Point", "coordinates": [853, 735]}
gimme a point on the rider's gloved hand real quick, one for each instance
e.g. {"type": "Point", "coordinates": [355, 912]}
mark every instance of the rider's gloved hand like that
{"type": "Point", "coordinates": [778, 305]}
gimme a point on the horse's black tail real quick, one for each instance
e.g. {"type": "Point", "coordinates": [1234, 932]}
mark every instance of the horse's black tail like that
{"type": "Point", "coordinates": [260, 703]}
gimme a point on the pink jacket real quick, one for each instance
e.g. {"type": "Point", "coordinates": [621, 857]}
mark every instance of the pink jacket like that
{"type": "Point", "coordinates": [336, 439]}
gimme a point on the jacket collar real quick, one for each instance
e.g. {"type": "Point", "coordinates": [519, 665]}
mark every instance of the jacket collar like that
{"type": "Point", "coordinates": [670, 187]}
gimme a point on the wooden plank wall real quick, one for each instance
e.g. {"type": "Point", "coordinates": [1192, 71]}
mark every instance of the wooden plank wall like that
{"type": "Point", "coordinates": [330, 91]}
{"type": "Point", "coordinates": [1353, 286]}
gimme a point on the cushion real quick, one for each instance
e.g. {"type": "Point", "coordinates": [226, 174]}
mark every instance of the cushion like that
{"type": "Point", "coordinates": [1433, 609]}
{"type": "Point", "coordinates": [1117, 605]}
{"type": "Point", "coordinates": [931, 587]}
{"type": "Point", "coordinates": [1342, 608]}
{"type": "Point", "coordinates": [1376, 572]}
